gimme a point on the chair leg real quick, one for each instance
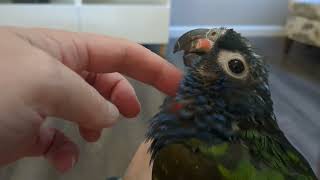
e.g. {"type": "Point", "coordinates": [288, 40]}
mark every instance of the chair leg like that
{"type": "Point", "coordinates": [287, 45]}
{"type": "Point", "coordinates": [163, 50]}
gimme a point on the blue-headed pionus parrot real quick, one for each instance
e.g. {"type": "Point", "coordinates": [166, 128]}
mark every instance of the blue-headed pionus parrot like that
{"type": "Point", "coordinates": [221, 124]}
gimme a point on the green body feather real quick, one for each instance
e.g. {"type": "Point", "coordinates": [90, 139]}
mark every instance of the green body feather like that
{"type": "Point", "coordinates": [264, 160]}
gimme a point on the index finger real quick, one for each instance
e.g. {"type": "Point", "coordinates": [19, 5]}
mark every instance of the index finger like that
{"type": "Point", "coordinates": [133, 60]}
{"type": "Point", "coordinates": [101, 54]}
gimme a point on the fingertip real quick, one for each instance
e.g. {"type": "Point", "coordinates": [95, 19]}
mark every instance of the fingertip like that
{"type": "Point", "coordinates": [134, 111]}
{"type": "Point", "coordinates": [117, 89]}
{"type": "Point", "coordinates": [169, 80]}
{"type": "Point", "coordinates": [90, 135]}
{"type": "Point", "coordinates": [64, 162]}
{"type": "Point", "coordinates": [128, 105]}
{"type": "Point", "coordinates": [61, 152]}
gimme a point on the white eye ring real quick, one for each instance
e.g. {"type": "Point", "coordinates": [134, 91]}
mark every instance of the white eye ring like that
{"type": "Point", "coordinates": [225, 57]}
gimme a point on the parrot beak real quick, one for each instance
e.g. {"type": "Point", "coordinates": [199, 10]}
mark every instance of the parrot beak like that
{"type": "Point", "coordinates": [201, 46]}
{"type": "Point", "coordinates": [190, 58]}
{"type": "Point", "coordinates": [197, 41]}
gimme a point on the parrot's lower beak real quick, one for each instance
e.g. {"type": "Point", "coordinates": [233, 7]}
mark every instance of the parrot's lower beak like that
{"type": "Point", "coordinates": [189, 59]}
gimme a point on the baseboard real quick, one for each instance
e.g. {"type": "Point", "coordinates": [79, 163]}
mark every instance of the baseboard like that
{"type": "Point", "coordinates": [245, 30]}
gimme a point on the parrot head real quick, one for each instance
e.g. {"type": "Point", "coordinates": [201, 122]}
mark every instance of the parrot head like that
{"type": "Point", "coordinates": [221, 54]}
{"type": "Point", "coordinates": [225, 65]}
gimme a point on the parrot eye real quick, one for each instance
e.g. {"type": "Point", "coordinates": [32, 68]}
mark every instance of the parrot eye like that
{"type": "Point", "coordinates": [234, 64]}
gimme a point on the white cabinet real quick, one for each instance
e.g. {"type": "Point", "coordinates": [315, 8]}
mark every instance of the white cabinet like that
{"type": "Point", "coordinates": [142, 21]}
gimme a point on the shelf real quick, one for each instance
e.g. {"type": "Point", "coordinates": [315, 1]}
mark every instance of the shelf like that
{"type": "Point", "coordinates": [35, 2]}
{"type": "Point", "coordinates": [47, 16]}
{"type": "Point", "coordinates": [142, 21]}
{"type": "Point", "coordinates": [136, 23]}
{"type": "Point", "coordinates": [127, 2]}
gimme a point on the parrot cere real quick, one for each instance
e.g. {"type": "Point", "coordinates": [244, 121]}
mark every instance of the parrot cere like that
{"type": "Point", "coordinates": [221, 124]}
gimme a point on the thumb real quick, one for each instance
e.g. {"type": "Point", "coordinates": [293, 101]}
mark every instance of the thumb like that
{"type": "Point", "coordinates": [67, 95]}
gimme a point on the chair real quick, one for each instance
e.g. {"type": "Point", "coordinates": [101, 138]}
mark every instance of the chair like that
{"type": "Point", "coordinates": [303, 23]}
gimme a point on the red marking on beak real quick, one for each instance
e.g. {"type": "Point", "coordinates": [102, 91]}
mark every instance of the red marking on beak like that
{"type": "Point", "coordinates": [202, 46]}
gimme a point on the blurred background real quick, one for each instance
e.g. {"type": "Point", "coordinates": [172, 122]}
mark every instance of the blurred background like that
{"type": "Point", "coordinates": [286, 33]}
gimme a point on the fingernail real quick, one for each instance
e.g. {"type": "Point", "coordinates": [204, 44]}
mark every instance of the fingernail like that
{"type": "Point", "coordinates": [113, 114]}
{"type": "Point", "coordinates": [70, 165]}
{"type": "Point", "coordinates": [73, 161]}
{"type": "Point", "coordinates": [65, 165]}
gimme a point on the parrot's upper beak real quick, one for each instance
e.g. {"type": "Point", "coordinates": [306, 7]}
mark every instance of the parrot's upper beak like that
{"type": "Point", "coordinates": [195, 41]}
{"type": "Point", "coordinates": [198, 41]}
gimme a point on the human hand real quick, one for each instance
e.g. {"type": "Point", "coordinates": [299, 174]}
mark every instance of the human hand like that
{"type": "Point", "coordinates": [74, 76]}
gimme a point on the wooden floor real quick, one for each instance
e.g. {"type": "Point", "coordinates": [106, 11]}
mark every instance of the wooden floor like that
{"type": "Point", "coordinates": [295, 84]}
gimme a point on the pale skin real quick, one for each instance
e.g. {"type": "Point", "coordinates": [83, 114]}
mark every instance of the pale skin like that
{"type": "Point", "coordinates": [140, 167]}
{"type": "Point", "coordinates": [68, 75]}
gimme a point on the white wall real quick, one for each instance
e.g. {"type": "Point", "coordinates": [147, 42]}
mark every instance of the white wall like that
{"type": "Point", "coordinates": [235, 12]}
